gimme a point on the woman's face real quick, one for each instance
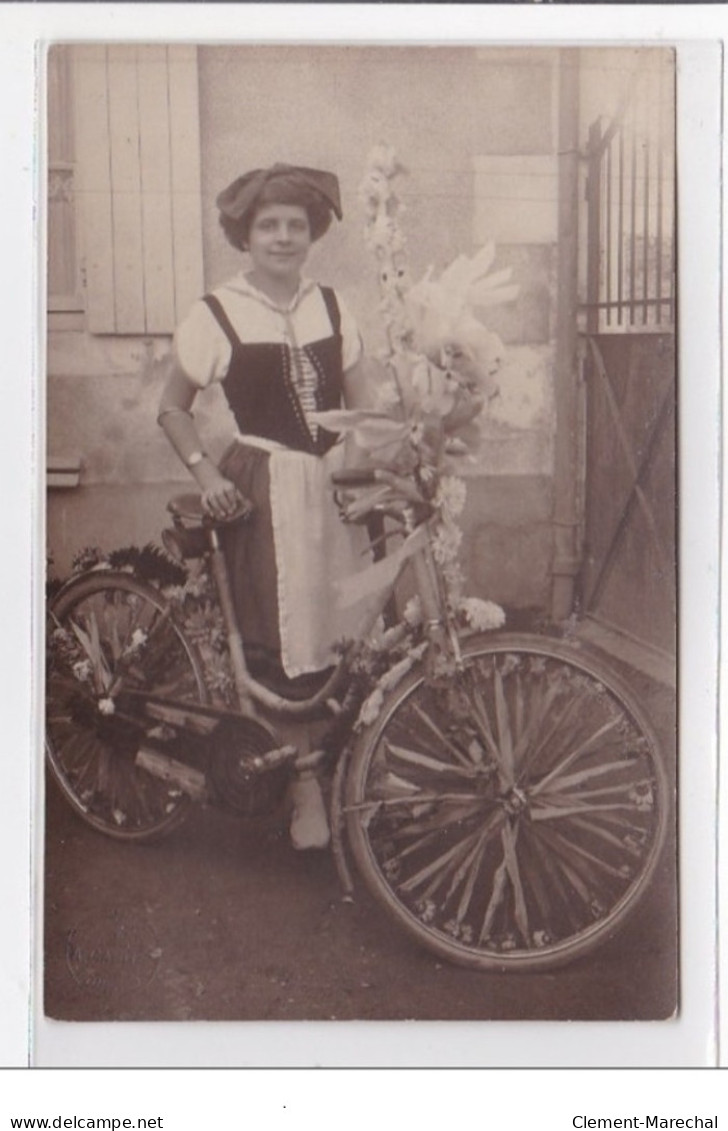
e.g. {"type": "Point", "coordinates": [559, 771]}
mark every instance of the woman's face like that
{"type": "Point", "coordinates": [279, 239]}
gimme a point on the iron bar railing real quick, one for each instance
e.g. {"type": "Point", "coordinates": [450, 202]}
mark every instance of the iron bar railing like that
{"type": "Point", "coordinates": [630, 193]}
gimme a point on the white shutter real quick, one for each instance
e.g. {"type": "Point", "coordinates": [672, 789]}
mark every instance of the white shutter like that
{"type": "Point", "coordinates": [138, 153]}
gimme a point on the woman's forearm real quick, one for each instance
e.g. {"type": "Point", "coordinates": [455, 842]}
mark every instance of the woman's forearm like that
{"type": "Point", "coordinates": [177, 422]}
{"type": "Point", "coordinates": [175, 412]}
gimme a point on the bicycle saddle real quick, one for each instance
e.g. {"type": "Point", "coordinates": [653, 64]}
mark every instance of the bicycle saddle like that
{"type": "Point", "coordinates": [188, 508]}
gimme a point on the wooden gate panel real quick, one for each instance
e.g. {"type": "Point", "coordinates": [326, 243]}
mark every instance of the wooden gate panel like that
{"type": "Point", "coordinates": [629, 573]}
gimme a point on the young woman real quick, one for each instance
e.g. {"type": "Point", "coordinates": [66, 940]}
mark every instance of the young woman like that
{"type": "Point", "coordinates": [283, 348]}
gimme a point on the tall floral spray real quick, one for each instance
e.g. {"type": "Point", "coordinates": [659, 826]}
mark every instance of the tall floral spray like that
{"type": "Point", "coordinates": [439, 370]}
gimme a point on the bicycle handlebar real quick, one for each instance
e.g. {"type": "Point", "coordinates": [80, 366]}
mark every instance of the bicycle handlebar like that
{"type": "Point", "coordinates": [355, 477]}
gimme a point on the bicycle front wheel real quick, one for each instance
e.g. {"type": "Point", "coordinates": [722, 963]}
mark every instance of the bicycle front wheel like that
{"type": "Point", "coordinates": [110, 633]}
{"type": "Point", "coordinates": [513, 819]}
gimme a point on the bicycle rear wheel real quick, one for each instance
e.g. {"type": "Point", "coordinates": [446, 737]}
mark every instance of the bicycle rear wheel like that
{"type": "Point", "coordinates": [110, 633]}
{"type": "Point", "coordinates": [513, 819]}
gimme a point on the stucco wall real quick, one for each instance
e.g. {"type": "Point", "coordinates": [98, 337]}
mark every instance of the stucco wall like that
{"type": "Point", "coordinates": [450, 114]}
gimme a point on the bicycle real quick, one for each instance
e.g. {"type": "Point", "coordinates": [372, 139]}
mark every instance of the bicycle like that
{"type": "Point", "coordinates": [502, 794]}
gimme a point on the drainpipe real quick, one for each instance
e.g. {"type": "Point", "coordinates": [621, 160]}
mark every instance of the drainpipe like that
{"type": "Point", "coordinates": [566, 519]}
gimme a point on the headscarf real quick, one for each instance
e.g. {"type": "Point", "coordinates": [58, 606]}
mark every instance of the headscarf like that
{"type": "Point", "coordinates": [240, 196]}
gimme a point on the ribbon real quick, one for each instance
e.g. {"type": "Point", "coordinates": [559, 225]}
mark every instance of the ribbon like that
{"type": "Point", "coordinates": [380, 575]}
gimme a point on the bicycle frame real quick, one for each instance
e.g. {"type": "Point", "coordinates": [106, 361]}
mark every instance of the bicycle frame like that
{"type": "Point", "coordinates": [251, 693]}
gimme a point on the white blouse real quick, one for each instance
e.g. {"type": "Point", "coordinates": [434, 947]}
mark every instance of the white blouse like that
{"type": "Point", "coordinates": [204, 352]}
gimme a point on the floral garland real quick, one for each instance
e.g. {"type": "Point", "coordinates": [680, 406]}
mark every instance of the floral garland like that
{"type": "Point", "coordinates": [191, 593]}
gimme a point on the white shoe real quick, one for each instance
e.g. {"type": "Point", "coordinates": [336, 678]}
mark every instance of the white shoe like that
{"type": "Point", "coordinates": [309, 826]}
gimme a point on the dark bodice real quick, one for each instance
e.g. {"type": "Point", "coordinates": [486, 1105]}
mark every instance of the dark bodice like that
{"type": "Point", "coordinates": [260, 385]}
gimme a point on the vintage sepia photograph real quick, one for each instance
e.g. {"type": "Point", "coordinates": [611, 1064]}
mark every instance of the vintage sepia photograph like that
{"type": "Point", "coordinates": [361, 594]}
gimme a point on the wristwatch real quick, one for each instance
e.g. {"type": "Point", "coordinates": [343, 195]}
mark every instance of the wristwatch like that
{"type": "Point", "coordinates": [195, 458]}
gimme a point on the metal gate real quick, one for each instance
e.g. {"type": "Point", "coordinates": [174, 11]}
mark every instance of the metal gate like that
{"type": "Point", "coordinates": [628, 578]}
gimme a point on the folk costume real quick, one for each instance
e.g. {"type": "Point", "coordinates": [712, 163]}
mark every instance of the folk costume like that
{"type": "Point", "coordinates": [276, 367]}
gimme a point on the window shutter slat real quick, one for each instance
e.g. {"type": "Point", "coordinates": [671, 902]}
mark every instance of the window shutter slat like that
{"type": "Point", "coordinates": [126, 190]}
{"type": "Point", "coordinates": [185, 157]}
{"type": "Point", "coordinates": [93, 185]}
{"type": "Point", "coordinates": [154, 148]}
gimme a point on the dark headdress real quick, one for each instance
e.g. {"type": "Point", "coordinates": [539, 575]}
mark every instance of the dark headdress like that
{"type": "Point", "coordinates": [239, 197]}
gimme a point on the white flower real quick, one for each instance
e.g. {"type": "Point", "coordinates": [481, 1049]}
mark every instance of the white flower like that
{"type": "Point", "coordinates": [482, 615]}
{"type": "Point", "coordinates": [420, 377]}
{"type": "Point", "coordinates": [392, 677]}
{"type": "Point", "coordinates": [106, 706]}
{"type": "Point", "coordinates": [427, 910]}
{"type": "Point", "coordinates": [446, 543]}
{"type": "Point", "coordinates": [82, 669]}
{"type": "Point", "coordinates": [451, 495]}
{"type": "Point", "coordinates": [371, 707]}
{"type": "Point", "coordinates": [138, 638]}
{"type": "Point", "coordinates": [413, 611]}
{"type": "Point", "coordinates": [387, 397]}
{"type": "Point", "coordinates": [417, 433]}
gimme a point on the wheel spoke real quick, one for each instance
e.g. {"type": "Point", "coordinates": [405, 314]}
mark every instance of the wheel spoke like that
{"type": "Point", "coordinates": [416, 846]}
{"type": "Point", "coordinates": [584, 748]}
{"type": "Point", "coordinates": [604, 791]}
{"type": "Point", "coordinates": [480, 717]}
{"type": "Point", "coordinates": [77, 748]}
{"type": "Point", "coordinates": [509, 836]}
{"type": "Point", "coordinates": [535, 881]}
{"type": "Point", "coordinates": [594, 829]}
{"type": "Point", "coordinates": [505, 741]}
{"type": "Point", "coordinates": [546, 737]}
{"type": "Point", "coordinates": [492, 825]}
{"type": "Point", "coordinates": [441, 819]}
{"type": "Point", "coordinates": [562, 860]}
{"type": "Point", "coordinates": [497, 895]}
{"type": "Point", "coordinates": [490, 830]}
{"type": "Point", "coordinates": [519, 712]}
{"type": "Point", "coordinates": [541, 812]}
{"type": "Point", "coordinates": [554, 870]}
{"type": "Point", "coordinates": [577, 853]}
{"type": "Point", "coordinates": [429, 722]}
{"type": "Point", "coordinates": [425, 762]}
{"type": "Point", "coordinates": [441, 866]}
{"type": "Point", "coordinates": [569, 780]}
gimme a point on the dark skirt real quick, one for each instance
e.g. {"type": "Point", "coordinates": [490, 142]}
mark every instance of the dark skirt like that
{"type": "Point", "coordinates": [251, 561]}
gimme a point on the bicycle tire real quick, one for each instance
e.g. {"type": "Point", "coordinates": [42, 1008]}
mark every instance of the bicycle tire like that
{"type": "Point", "coordinates": [513, 819]}
{"type": "Point", "coordinates": [111, 628]}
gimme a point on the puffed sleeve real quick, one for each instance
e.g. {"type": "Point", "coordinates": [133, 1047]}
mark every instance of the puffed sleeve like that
{"type": "Point", "coordinates": [202, 349]}
{"type": "Point", "coordinates": [352, 347]}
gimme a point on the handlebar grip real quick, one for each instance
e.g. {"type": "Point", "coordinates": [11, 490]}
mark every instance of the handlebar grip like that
{"type": "Point", "coordinates": [354, 477]}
